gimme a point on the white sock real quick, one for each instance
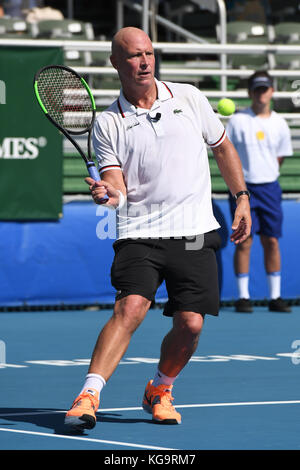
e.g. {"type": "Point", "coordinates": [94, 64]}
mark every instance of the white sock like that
{"type": "Point", "coordinates": [161, 378]}
{"type": "Point", "coordinates": [242, 280]}
{"type": "Point", "coordinates": [274, 282]}
{"type": "Point", "coordinates": [94, 381]}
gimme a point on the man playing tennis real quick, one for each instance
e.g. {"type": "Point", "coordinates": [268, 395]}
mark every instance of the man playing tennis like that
{"type": "Point", "coordinates": [151, 150]}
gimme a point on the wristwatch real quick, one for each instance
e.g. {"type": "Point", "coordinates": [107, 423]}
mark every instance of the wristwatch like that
{"type": "Point", "coordinates": [240, 193]}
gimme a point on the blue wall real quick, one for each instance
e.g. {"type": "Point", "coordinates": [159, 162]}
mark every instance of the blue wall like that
{"type": "Point", "coordinates": [290, 255]}
{"type": "Point", "coordinates": [49, 263]}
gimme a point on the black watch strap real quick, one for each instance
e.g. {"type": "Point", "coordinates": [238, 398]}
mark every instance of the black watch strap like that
{"type": "Point", "coordinates": [240, 193]}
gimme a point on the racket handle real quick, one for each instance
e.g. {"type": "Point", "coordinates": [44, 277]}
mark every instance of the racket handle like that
{"type": "Point", "coordinates": [93, 172]}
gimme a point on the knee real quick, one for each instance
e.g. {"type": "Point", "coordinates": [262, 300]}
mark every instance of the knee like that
{"type": "Point", "coordinates": [245, 246]}
{"type": "Point", "coordinates": [130, 311]}
{"type": "Point", "coordinates": [270, 243]}
{"type": "Point", "coordinates": [189, 323]}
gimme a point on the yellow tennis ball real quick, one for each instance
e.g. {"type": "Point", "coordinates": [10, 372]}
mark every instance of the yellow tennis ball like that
{"type": "Point", "coordinates": [226, 107]}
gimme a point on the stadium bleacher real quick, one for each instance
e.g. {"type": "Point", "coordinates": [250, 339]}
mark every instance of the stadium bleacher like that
{"type": "Point", "coordinates": [14, 27]}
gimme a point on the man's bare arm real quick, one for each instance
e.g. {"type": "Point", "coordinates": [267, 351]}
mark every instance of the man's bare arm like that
{"type": "Point", "coordinates": [231, 169]}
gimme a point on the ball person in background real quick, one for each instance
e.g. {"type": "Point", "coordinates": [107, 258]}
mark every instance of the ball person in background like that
{"type": "Point", "coordinates": [151, 148]}
{"type": "Point", "coordinates": [262, 139]}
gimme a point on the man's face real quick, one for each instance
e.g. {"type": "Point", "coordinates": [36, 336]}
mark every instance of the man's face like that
{"type": "Point", "coordinates": [261, 95]}
{"type": "Point", "coordinates": [134, 60]}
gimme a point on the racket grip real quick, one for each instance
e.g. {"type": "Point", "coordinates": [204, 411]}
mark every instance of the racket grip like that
{"type": "Point", "coordinates": [93, 172]}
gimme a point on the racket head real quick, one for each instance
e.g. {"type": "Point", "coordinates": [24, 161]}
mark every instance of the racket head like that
{"type": "Point", "coordinates": [65, 98]}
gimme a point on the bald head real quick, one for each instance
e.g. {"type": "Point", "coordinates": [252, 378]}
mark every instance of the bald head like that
{"type": "Point", "coordinates": [126, 38]}
{"type": "Point", "coordinates": [133, 58]}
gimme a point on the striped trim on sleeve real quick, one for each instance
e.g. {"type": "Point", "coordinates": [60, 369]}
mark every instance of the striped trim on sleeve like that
{"type": "Point", "coordinates": [109, 167]}
{"type": "Point", "coordinates": [222, 138]}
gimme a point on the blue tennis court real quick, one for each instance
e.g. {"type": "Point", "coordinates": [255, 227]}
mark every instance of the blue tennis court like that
{"type": "Point", "coordinates": [240, 390]}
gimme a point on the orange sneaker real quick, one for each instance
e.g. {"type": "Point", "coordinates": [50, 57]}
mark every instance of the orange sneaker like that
{"type": "Point", "coordinates": [82, 415]}
{"type": "Point", "coordinates": [158, 402]}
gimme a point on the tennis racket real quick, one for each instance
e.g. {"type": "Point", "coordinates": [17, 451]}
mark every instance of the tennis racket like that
{"type": "Point", "coordinates": [68, 103]}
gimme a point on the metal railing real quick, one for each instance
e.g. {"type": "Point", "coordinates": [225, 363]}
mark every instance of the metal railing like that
{"type": "Point", "coordinates": [182, 49]}
{"type": "Point", "coordinates": [163, 47]}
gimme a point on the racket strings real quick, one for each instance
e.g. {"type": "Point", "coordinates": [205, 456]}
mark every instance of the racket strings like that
{"type": "Point", "coordinates": [66, 99]}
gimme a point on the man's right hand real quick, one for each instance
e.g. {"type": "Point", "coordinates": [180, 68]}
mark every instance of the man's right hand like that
{"type": "Point", "coordinates": [242, 222]}
{"type": "Point", "coordinates": [100, 189]}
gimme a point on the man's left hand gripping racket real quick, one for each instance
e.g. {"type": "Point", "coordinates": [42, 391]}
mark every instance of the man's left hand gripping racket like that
{"type": "Point", "coordinates": [68, 103]}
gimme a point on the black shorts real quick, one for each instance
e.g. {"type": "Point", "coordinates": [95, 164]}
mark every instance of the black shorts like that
{"type": "Point", "coordinates": [188, 267]}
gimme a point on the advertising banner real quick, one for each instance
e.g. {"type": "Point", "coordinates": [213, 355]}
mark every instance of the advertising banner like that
{"type": "Point", "coordinates": [31, 149]}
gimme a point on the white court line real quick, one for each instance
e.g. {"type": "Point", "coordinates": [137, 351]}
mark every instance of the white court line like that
{"type": "Point", "coordinates": [138, 408]}
{"type": "Point", "coordinates": [208, 405]}
{"type": "Point", "coordinates": [32, 413]}
{"type": "Point", "coordinates": [127, 444]}
{"type": "Point", "coordinates": [86, 439]}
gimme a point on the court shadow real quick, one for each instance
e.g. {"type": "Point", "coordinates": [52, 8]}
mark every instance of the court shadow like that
{"type": "Point", "coordinates": [54, 419]}
{"type": "Point", "coordinates": [116, 418]}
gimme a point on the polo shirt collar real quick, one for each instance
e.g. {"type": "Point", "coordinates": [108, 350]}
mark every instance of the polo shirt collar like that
{"type": "Point", "coordinates": [127, 109]}
{"type": "Point", "coordinates": [164, 92]}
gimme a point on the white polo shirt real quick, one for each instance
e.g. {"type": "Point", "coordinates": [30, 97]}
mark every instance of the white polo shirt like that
{"type": "Point", "coordinates": [259, 142]}
{"type": "Point", "coordinates": [163, 156]}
